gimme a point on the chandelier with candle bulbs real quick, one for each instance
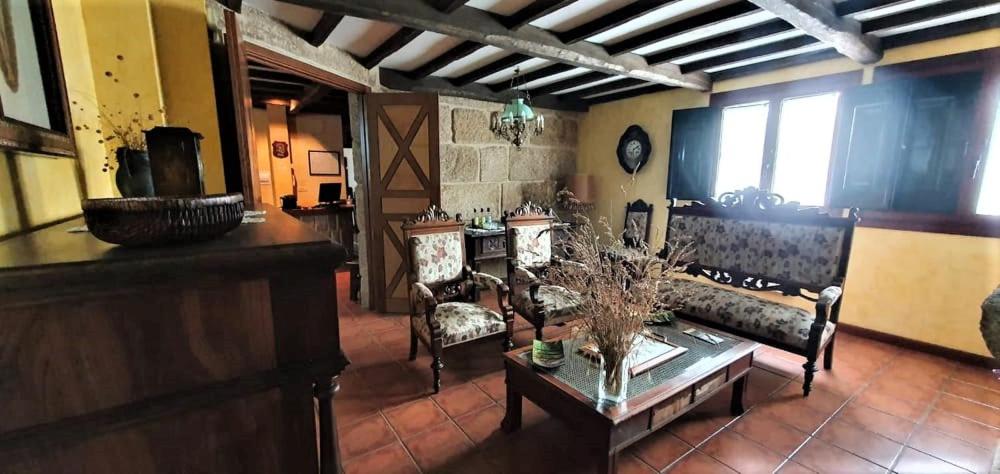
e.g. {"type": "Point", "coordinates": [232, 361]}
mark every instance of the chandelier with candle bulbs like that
{"type": "Point", "coordinates": [517, 119]}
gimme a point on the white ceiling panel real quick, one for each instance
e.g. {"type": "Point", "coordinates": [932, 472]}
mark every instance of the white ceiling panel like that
{"type": "Point", "coordinates": [592, 84]}
{"type": "Point", "coordinates": [809, 48]}
{"type": "Point", "coordinates": [635, 86]}
{"type": "Point", "coordinates": [941, 20]}
{"type": "Point", "coordinates": [670, 13]}
{"type": "Point", "coordinates": [578, 13]}
{"type": "Point", "coordinates": [300, 17]}
{"type": "Point", "coordinates": [360, 37]}
{"type": "Point", "coordinates": [893, 9]}
{"type": "Point", "coordinates": [732, 48]}
{"type": "Point", "coordinates": [481, 57]}
{"type": "Point", "coordinates": [423, 48]}
{"type": "Point", "coordinates": [708, 31]}
{"type": "Point", "coordinates": [556, 77]}
{"type": "Point", "coordinates": [505, 75]}
{"type": "Point", "coordinates": [500, 7]}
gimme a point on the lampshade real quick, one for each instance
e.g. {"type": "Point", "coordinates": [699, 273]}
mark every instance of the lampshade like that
{"type": "Point", "coordinates": [583, 187]}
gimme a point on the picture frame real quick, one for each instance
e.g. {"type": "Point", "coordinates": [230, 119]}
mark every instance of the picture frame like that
{"type": "Point", "coordinates": [31, 74]}
{"type": "Point", "coordinates": [325, 163]}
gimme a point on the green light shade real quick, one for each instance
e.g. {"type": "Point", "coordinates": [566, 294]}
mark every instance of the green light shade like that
{"type": "Point", "coordinates": [517, 109]}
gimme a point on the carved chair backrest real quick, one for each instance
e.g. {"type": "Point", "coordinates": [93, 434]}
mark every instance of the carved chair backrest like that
{"type": "Point", "coordinates": [435, 248]}
{"type": "Point", "coordinates": [638, 220]}
{"type": "Point", "coordinates": [529, 235]}
{"type": "Point", "coordinates": [754, 240]}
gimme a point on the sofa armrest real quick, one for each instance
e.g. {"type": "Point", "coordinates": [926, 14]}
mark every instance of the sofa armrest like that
{"type": "Point", "coordinates": [829, 296]}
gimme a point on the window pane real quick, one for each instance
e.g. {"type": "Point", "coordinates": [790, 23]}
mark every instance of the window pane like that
{"type": "Point", "coordinates": [805, 138]}
{"type": "Point", "coordinates": [741, 147]}
{"type": "Point", "coordinates": [989, 191]}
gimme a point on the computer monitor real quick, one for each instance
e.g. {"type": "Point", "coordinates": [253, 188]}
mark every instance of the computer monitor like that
{"type": "Point", "coordinates": [329, 193]}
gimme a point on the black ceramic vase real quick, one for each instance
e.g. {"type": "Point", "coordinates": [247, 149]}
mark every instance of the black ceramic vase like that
{"type": "Point", "coordinates": [133, 177]}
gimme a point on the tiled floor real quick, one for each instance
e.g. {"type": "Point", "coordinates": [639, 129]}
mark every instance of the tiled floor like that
{"type": "Point", "coordinates": [880, 408]}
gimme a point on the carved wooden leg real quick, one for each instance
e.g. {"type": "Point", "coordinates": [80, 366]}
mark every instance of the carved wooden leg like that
{"type": "Point", "coordinates": [436, 364]}
{"type": "Point", "coordinates": [828, 353]}
{"type": "Point", "coordinates": [512, 419]}
{"type": "Point", "coordinates": [538, 331]}
{"type": "Point", "coordinates": [413, 343]}
{"type": "Point", "coordinates": [810, 367]}
{"type": "Point", "coordinates": [739, 388]}
{"type": "Point", "coordinates": [508, 337]}
{"type": "Point", "coordinates": [329, 452]}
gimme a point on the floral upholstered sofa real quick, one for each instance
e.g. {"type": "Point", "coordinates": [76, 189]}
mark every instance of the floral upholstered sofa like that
{"type": "Point", "coordinates": [753, 240]}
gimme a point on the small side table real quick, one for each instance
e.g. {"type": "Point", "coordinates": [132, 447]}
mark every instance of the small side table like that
{"type": "Point", "coordinates": [484, 245]}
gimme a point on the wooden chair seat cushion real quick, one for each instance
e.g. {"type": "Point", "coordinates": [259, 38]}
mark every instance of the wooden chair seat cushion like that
{"type": "Point", "coordinates": [769, 320]}
{"type": "Point", "coordinates": [460, 322]}
{"type": "Point", "coordinates": [558, 304]}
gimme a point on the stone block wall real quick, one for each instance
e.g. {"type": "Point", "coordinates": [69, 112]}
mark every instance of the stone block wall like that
{"type": "Point", "coordinates": [479, 170]}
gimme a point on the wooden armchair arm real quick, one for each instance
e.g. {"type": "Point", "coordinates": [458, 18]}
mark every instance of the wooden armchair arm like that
{"type": "Point", "coordinates": [568, 263]}
{"type": "Point", "coordinates": [502, 290]}
{"type": "Point", "coordinates": [524, 276]}
{"type": "Point", "coordinates": [829, 296]}
{"type": "Point", "coordinates": [422, 298]}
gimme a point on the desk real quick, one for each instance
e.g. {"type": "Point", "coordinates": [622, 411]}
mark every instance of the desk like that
{"type": "Point", "coordinates": [336, 221]}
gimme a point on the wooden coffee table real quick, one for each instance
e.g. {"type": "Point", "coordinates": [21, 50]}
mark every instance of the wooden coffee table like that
{"type": "Point", "coordinates": [655, 397]}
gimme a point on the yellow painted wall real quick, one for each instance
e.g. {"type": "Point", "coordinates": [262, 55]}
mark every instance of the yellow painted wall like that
{"type": "Point", "coordinates": [315, 132]}
{"type": "Point", "coordinates": [263, 155]}
{"type": "Point", "coordinates": [921, 286]}
{"type": "Point", "coordinates": [163, 59]}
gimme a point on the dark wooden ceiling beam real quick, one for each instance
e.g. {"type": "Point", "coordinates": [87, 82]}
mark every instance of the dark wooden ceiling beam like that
{"type": "Point", "coordinates": [762, 30]}
{"type": "Point", "coordinates": [611, 20]}
{"type": "Point", "coordinates": [650, 89]}
{"type": "Point", "coordinates": [446, 6]}
{"type": "Point", "coordinates": [324, 27]}
{"type": "Point", "coordinates": [575, 81]}
{"type": "Point", "coordinates": [472, 24]}
{"type": "Point", "coordinates": [535, 75]}
{"type": "Point", "coordinates": [672, 29]}
{"type": "Point", "coordinates": [313, 94]}
{"type": "Point", "coordinates": [607, 87]}
{"type": "Point", "coordinates": [494, 67]}
{"type": "Point", "coordinates": [395, 43]}
{"type": "Point", "coordinates": [850, 7]}
{"type": "Point", "coordinates": [921, 14]}
{"type": "Point", "coordinates": [454, 54]}
{"type": "Point", "coordinates": [234, 5]}
{"type": "Point", "coordinates": [532, 12]}
{"type": "Point", "coordinates": [399, 80]}
{"type": "Point", "coordinates": [750, 53]}
{"type": "Point", "coordinates": [819, 20]}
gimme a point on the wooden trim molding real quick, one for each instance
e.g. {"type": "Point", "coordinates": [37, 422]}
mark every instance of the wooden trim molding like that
{"type": "Point", "coordinates": [920, 346]}
{"type": "Point", "coordinates": [279, 61]}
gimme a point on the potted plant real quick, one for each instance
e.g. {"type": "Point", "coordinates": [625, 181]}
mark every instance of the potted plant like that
{"type": "Point", "coordinates": [620, 288]}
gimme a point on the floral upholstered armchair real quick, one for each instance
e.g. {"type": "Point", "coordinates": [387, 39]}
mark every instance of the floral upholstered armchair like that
{"type": "Point", "coordinates": [529, 254]}
{"type": "Point", "coordinates": [440, 284]}
{"type": "Point", "coordinates": [638, 220]}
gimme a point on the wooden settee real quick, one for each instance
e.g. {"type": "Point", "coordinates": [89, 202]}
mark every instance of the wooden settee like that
{"type": "Point", "coordinates": [753, 240]}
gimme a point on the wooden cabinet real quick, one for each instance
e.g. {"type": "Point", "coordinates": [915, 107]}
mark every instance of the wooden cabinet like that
{"type": "Point", "coordinates": [208, 357]}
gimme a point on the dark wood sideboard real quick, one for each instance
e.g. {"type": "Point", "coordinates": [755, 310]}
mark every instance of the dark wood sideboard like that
{"type": "Point", "coordinates": [219, 356]}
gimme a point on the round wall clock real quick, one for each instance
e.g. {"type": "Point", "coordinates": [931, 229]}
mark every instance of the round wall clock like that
{"type": "Point", "coordinates": [633, 149]}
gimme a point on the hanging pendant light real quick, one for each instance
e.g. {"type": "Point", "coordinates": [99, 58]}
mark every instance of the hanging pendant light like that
{"type": "Point", "coordinates": [517, 118]}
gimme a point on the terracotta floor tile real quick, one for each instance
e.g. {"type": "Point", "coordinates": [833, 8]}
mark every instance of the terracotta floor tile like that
{"type": "Point", "coordinates": [819, 400]}
{"type": "Point", "coordinates": [629, 464]}
{"type": "Point", "coordinates": [700, 463]}
{"type": "Point", "coordinates": [971, 410]}
{"type": "Point", "coordinates": [741, 454]}
{"type": "Point", "coordinates": [823, 457]}
{"type": "Point", "coordinates": [773, 434]}
{"type": "Point", "coordinates": [973, 392]}
{"type": "Point", "coordinates": [366, 435]}
{"type": "Point", "coordinates": [896, 387]}
{"type": "Point", "coordinates": [482, 424]}
{"type": "Point", "coordinates": [465, 398]}
{"type": "Point", "coordinates": [984, 436]}
{"type": "Point", "coordinates": [794, 468]}
{"type": "Point", "coordinates": [843, 380]}
{"type": "Point", "coordinates": [800, 418]}
{"type": "Point", "coordinates": [916, 462]}
{"type": "Point", "coordinates": [494, 385]}
{"type": "Point", "coordinates": [392, 459]}
{"type": "Point", "coordinates": [952, 450]}
{"type": "Point", "coordinates": [694, 428]}
{"type": "Point", "coordinates": [977, 375]}
{"type": "Point", "coordinates": [860, 442]}
{"type": "Point", "coordinates": [415, 417]}
{"type": "Point", "coordinates": [761, 385]}
{"type": "Point", "coordinates": [660, 449]}
{"type": "Point", "coordinates": [891, 403]}
{"type": "Point", "coordinates": [440, 446]}
{"type": "Point", "coordinates": [892, 427]}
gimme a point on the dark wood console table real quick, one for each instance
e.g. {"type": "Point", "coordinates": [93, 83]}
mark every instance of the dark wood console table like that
{"type": "Point", "coordinates": [208, 357]}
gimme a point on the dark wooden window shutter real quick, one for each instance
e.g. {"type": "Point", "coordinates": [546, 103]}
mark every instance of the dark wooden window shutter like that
{"type": "Point", "coordinates": [694, 153]}
{"type": "Point", "coordinates": [866, 145]}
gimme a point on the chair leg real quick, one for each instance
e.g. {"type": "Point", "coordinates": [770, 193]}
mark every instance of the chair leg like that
{"type": "Point", "coordinates": [413, 344]}
{"type": "Point", "coordinates": [538, 332]}
{"type": "Point", "coordinates": [436, 364]}
{"type": "Point", "coordinates": [508, 336]}
{"type": "Point", "coordinates": [828, 353]}
{"type": "Point", "coordinates": [810, 367]}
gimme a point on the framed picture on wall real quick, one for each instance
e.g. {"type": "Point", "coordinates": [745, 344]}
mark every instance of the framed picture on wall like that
{"type": "Point", "coordinates": [324, 163]}
{"type": "Point", "coordinates": [34, 114]}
